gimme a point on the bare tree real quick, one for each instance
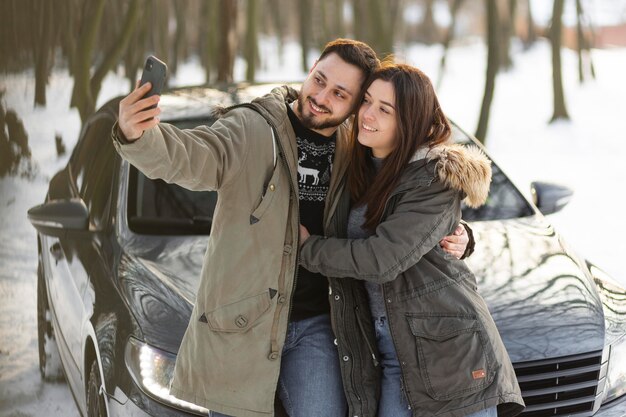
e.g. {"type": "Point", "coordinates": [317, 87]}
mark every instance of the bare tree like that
{"type": "Point", "coordinates": [338, 19]}
{"type": "Point", "coordinates": [180, 35]}
{"type": "Point", "coordinates": [134, 56]}
{"type": "Point", "coordinates": [70, 19]}
{"type": "Point", "coordinates": [43, 48]}
{"type": "Point", "coordinates": [82, 96]}
{"type": "Point", "coordinates": [227, 40]}
{"type": "Point", "coordinates": [360, 21]}
{"type": "Point", "coordinates": [454, 11]}
{"type": "Point", "coordinates": [251, 47]}
{"type": "Point", "coordinates": [382, 22]}
{"type": "Point", "coordinates": [377, 22]}
{"type": "Point", "coordinates": [276, 15]}
{"type": "Point", "coordinates": [159, 28]}
{"type": "Point", "coordinates": [560, 109]}
{"type": "Point", "coordinates": [86, 86]}
{"type": "Point", "coordinates": [320, 24]}
{"type": "Point", "coordinates": [209, 31]}
{"type": "Point", "coordinates": [493, 60]}
{"type": "Point", "coordinates": [506, 11]}
{"type": "Point", "coordinates": [531, 30]}
{"type": "Point", "coordinates": [304, 13]}
{"type": "Point", "coordinates": [428, 32]}
{"type": "Point", "coordinates": [582, 44]}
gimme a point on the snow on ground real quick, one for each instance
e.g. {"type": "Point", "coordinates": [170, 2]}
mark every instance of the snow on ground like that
{"type": "Point", "coordinates": [586, 154]}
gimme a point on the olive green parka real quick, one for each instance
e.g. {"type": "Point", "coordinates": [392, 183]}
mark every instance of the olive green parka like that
{"type": "Point", "coordinates": [229, 359]}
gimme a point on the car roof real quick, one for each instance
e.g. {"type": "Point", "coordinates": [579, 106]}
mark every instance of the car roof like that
{"type": "Point", "coordinates": [191, 102]}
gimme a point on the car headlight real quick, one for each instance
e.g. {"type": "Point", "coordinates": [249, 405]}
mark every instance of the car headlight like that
{"type": "Point", "coordinates": [152, 370]}
{"type": "Point", "coordinates": [616, 374]}
{"type": "Point", "coordinates": [613, 297]}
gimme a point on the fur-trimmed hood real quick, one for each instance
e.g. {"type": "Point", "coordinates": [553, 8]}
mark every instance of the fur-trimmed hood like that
{"type": "Point", "coordinates": [463, 168]}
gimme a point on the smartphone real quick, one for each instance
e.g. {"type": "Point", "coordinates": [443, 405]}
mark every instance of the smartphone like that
{"type": "Point", "coordinates": [154, 71]}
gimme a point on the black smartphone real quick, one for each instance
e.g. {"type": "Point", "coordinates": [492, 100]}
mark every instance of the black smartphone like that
{"type": "Point", "coordinates": [154, 71]}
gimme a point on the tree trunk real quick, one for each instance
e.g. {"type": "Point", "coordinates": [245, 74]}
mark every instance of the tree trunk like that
{"type": "Point", "coordinates": [560, 110]}
{"type": "Point", "coordinates": [397, 26]}
{"type": "Point", "coordinates": [82, 99]}
{"type": "Point", "coordinates": [531, 36]}
{"type": "Point", "coordinates": [360, 21]}
{"type": "Point", "coordinates": [338, 25]}
{"type": "Point", "coordinates": [427, 29]}
{"type": "Point", "coordinates": [276, 17]}
{"type": "Point", "coordinates": [454, 10]}
{"type": "Point", "coordinates": [134, 56]}
{"type": "Point", "coordinates": [210, 28]}
{"type": "Point", "coordinates": [227, 40]}
{"type": "Point", "coordinates": [180, 36]}
{"type": "Point", "coordinates": [304, 10]}
{"type": "Point", "coordinates": [251, 47]}
{"type": "Point", "coordinates": [583, 47]}
{"type": "Point", "coordinates": [506, 15]}
{"type": "Point", "coordinates": [381, 27]}
{"type": "Point", "coordinates": [69, 33]}
{"type": "Point", "coordinates": [43, 50]}
{"type": "Point", "coordinates": [579, 41]}
{"type": "Point", "coordinates": [160, 29]}
{"type": "Point", "coordinates": [492, 69]}
{"type": "Point", "coordinates": [113, 55]}
{"type": "Point", "coordinates": [321, 25]}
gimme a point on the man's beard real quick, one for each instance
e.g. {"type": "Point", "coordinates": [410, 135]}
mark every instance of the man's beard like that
{"type": "Point", "coordinates": [309, 121]}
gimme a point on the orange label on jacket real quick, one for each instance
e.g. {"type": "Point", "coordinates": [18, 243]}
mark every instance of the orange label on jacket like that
{"type": "Point", "coordinates": [478, 374]}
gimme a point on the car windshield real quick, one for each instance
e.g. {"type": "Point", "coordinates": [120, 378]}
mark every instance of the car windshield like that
{"type": "Point", "coordinates": [158, 208]}
{"type": "Point", "coordinates": [504, 201]}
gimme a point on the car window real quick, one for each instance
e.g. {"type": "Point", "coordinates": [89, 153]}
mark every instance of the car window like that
{"type": "Point", "coordinates": [92, 167]}
{"type": "Point", "coordinates": [158, 208]}
{"type": "Point", "coordinates": [504, 201]}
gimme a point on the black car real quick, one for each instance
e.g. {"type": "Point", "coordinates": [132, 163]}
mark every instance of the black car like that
{"type": "Point", "coordinates": [120, 258]}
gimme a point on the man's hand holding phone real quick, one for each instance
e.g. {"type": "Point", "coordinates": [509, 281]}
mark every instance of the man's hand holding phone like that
{"type": "Point", "coordinates": [139, 110]}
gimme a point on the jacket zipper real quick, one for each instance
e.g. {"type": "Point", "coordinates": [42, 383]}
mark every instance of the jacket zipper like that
{"type": "Point", "coordinates": [334, 324]}
{"type": "Point", "coordinates": [281, 152]}
{"type": "Point", "coordinates": [297, 241]}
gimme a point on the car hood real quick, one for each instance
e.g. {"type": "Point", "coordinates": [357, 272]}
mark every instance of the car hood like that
{"type": "Point", "coordinates": [159, 278]}
{"type": "Point", "coordinates": [539, 292]}
{"type": "Point", "coordinates": [541, 295]}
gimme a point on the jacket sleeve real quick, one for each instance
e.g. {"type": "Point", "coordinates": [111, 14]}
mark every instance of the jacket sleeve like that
{"type": "Point", "coordinates": [421, 219]}
{"type": "Point", "coordinates": [471, 245]}
{"type": "Point", "coordinates": [200, 159]}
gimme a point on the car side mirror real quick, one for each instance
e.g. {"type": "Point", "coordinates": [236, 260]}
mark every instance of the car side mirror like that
{"type": "Point", "coordinates": [56, 217]}
{"type": "Point", "coordinates": [549, 197]}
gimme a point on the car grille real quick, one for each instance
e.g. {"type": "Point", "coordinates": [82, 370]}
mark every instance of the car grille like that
{"type": "Point", "coordinates": [565, 386]}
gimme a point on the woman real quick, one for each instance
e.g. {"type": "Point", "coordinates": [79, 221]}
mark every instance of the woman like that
{"type": "Point", "coordinates": [438, 350]}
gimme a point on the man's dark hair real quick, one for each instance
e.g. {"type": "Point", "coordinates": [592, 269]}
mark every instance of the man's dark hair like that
{"type": "Point", "coordinates": [356, 53]}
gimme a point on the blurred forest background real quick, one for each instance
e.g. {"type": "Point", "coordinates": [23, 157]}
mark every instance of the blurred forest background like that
{"type": "Point", "coordinates": [90, 38]}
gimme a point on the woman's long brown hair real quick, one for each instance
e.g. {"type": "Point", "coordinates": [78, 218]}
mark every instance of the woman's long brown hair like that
{"type": "Point", "coordinates": [420, 122]}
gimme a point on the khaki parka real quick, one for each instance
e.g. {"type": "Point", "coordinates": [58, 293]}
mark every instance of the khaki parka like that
{"type": "Point", "coordinates": [451, 355]}
{"type": "Point", "coordinates": [229, 359]}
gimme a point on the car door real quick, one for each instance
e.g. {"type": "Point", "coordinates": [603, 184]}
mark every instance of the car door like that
{"type": "Point", "coordinates": [71, 258]}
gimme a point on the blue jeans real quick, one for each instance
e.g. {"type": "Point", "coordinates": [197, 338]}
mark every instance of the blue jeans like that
{"type": "Point", "coordinates": [393, 402]}
{"type": "Point", "coordinates": [310, 384]}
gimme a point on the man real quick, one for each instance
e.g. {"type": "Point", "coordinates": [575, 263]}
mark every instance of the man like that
{"type": "Point", "coordinates": [260, 325]}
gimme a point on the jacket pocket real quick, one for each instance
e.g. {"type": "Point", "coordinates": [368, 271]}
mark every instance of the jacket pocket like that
{"type": "Point", "coordinates": [453, 354]}
{"type": "Point", "coordinates": [240, 315]}
{"type": "Point", "coordinates": [269, 191]}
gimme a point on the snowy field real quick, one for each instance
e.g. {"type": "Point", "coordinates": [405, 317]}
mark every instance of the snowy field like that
{"type": "Point", "coordinates": [586, 154]}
